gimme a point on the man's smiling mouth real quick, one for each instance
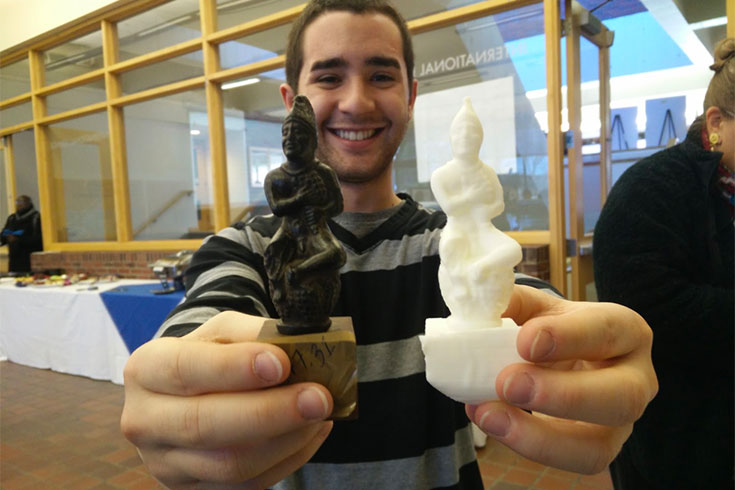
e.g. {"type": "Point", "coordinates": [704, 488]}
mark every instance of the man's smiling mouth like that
{"type": "Point", "coordinates": [360, 135]}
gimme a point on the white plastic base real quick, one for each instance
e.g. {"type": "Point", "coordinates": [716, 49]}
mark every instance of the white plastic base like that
{"type": "Point", "coordinates": [464, 364]}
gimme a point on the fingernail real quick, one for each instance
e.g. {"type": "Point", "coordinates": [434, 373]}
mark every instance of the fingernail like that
{"type": "Point", "coordinates": [519, 389]}
{"type": "Point", "coordinates": [267, 367]}
{"type": "Point", "coordinates": [312, 404]}
{"type": "Point", "coordinates": [495, 422]}
{"type": "Point", "coordinates": [542, 346]}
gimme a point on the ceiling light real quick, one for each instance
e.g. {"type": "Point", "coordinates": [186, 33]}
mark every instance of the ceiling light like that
{"type": "Point", "coordinates": [195, 132]}
{"type": "Point", "coordinates": [240, 83]}
{"type": "Point", "coordinates": [717, 21]}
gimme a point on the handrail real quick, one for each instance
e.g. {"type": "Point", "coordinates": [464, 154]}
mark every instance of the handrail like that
{"type": "Point", "coordinates": [165, 208]}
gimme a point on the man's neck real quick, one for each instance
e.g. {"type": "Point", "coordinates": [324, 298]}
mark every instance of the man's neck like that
{"type": "Point", "coordinates": [368, 197]}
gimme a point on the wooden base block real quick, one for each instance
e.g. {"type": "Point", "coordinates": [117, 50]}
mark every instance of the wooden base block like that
{"type": "Point", "coordinates": [327, 358]}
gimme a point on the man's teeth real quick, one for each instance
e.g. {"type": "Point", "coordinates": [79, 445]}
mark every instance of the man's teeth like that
{"type": "Point", "coordinates": [356, 135]}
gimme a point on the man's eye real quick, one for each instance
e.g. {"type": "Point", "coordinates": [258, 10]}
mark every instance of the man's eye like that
{"type": "Point", "coordinates": [383, 77]}
{"type": "Point", "coordinates": [328, 79]}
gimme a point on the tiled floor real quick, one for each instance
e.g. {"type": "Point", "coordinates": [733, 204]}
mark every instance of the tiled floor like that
{"type": "Point", "coordinates": [61, 431]}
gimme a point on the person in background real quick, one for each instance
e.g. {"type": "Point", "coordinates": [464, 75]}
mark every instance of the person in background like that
{"type": "Point", "coordinates": [22, 234]}
{"type": "Point", "coordinates": [205, 405]}
{"type": "Point", "coordinates": [663, 246]}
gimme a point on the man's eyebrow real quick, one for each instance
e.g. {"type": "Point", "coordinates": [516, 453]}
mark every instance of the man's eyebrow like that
{"type": "Point", "coordinates": [383, 61]}
{"type": "Point", "coordinates": [339, 62]}
{"type": "Point", "coordinates": [328, 64]}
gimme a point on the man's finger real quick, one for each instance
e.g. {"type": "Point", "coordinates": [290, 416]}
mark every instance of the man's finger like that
{"type": "Point", "coordinates": [573, 446]}
{"type": "Point", "coordinates": [226, 419]}
{"type": "Point", "coordinates": [182, 367]}
{"type": "Point", "coordinates": [593, 333]}
{"type": "Point", "coordinates": [614, 396]}
{"type": "Point", "coordinates": [241, 464]}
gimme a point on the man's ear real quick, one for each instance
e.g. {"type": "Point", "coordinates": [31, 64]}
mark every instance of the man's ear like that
{"type": "Point", "coordinates": [287, 94]}
{"type": "Point", "coordinates": [713, 118]}
{"type": "Point", "coordinates": [412, 97]}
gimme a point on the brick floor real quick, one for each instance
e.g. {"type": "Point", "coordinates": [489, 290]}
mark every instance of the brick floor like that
{"type": "Point", "coordinates": [62, 431]}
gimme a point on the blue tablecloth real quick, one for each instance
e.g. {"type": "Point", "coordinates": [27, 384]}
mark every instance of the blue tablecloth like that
{"type": "Point", "coordinates": [137, 312]}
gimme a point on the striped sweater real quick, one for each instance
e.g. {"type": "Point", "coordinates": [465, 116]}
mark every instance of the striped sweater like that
{"type": "Point", "coordinates": [408, 435]}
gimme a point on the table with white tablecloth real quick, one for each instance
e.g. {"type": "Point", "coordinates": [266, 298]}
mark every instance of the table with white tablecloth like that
{"type": "Point", "coordinates": [81, 329]}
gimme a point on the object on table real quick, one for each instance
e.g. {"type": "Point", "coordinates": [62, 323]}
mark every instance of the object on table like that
{"type": "Point", "coordinates": [170, 271]}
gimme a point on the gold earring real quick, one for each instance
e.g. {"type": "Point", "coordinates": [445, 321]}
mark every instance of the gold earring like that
{"type": "Point", "coordinates": [714, 139]}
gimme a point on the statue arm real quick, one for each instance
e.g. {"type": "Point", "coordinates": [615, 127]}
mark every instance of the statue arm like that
{"type": "Point", "coordinates": [504, 254]}
{"type": "Point", "coordinates": [278, 193]}
{"type": "Point", "coordinates": [335, 202]}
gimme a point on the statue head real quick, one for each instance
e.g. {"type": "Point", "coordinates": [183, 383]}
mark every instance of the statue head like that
{"type": "Point", "coordinates": [299, 137]}
{"type": "Point", "coordinates": [466, 134]}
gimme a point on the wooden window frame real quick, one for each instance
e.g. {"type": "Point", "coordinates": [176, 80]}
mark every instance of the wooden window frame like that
{"type": "Point", "coordinates": [106, 20]}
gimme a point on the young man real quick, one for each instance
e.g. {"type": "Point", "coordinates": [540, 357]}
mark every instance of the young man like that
{"type": "Point", "coordinates": [206, 408]}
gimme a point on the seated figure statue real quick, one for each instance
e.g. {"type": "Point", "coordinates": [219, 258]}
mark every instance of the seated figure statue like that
{"type": "Point", "coordinates": [303, 258]}
{"type": "Point", "coordinates": [476, 272]}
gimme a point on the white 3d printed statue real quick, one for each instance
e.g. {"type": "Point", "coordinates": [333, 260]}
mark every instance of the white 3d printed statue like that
{"type": "Point", "coordinates": [465, 352]}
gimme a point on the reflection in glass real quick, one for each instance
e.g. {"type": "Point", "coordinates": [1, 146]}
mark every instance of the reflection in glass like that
{"type": "Point", "coordinates": [73, 58]}
{"type": "Point", "coordinates": [256, 47]}
{"type": "Point", "coordinates": [169, 71]}
{"type": "Point", "coordinates": [81, 170]}
{"type": "Point", "coordinates": [496, 60]}
{"type": "Point", "coordinates": [167, 25]}
{"type": "Point", "coordinates": [24, 158]}
{"type": "Point", "coordinates": [4, 210]}
{"type": "Point", "coordinates": [169, 170]}
{"type": "Point", "coordinates": [76, 97]}
{"type": "Point", "coordinates": [16, 114]}
{"type": "Point", "coordinates": [234, 12]}
{"type": "Point", "coordinates": [15, 79]}
{"type": "Point", "coordinates": [253, 118]}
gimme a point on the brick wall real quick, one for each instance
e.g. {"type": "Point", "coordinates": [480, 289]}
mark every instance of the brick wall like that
{"type": "Point", "coordinates": [126, 264]}
{"type": "Point", "coordinates": [135, 264]}
{"type": "Point", "coordinates": [535, 261]}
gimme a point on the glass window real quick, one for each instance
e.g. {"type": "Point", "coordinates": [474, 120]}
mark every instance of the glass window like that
{"type": "Point", "coordinates": [16, 114]}
{"type": "Point", "coordinates": [82, 175]}
{"type": "Point", "coordinates": [253, 117]}
{"type": "Point", "coordinates": [15, 79]}
{"type": "Point", "coordinates": [169, 167]}
{"type": "Point", "coordinates": [590, 125]}
{"type": "Point", "coordinates": [4, 210]}
{"type": "Point", "coordinates": [24, 157]}
{"type": "Point", "coordinates": [167, 25]}
{"type": "Point", "coordinates": [74, 98]}
{"type": "Point", "coordinates": [73, 58]}
{"type": "Point", "coordinates": [256, 47]}
{"type": "Point", "coordinates": [499, 62]}
{"type": "Point", "coordinates": [162, 73]}
{"type": "Point", "coordinates": [410, 9]}
{"type": "Point", "coordinates": [234, 12]}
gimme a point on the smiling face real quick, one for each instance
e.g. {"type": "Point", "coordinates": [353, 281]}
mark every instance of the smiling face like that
{"type": "Point", "coordinates": [355, 78]}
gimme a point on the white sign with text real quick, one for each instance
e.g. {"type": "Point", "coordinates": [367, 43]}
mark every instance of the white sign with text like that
{"type": "Point", "coordinates": [495, 106]}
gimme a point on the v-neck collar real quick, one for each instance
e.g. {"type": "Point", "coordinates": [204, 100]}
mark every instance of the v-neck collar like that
{"type": "Point", "coordinates": [383, 231]}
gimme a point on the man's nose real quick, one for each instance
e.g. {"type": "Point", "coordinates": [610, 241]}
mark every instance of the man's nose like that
{"type": "Point", "coordinates": [357, 98]}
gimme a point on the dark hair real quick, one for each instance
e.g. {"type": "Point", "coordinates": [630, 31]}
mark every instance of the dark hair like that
{"type": "Point", "coordinates": [721, 89]}
{"type": "Point", "coordinates": [315, 8]}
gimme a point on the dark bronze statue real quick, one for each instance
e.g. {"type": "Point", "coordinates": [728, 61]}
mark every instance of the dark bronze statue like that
{"type": "Point", "coordinates": [303, 258]}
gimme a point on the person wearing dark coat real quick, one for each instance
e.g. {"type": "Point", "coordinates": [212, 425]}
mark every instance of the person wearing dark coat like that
{"type": "Point", "coordinates": [22, 234]}
{"type": "Point", "coordinates": [663, 246]}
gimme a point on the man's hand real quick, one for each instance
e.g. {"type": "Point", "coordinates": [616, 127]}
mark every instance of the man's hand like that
{"type": "Point", "coordinates": [204, 410]}
{"type": "Point", "coordinates": [591, 378]}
